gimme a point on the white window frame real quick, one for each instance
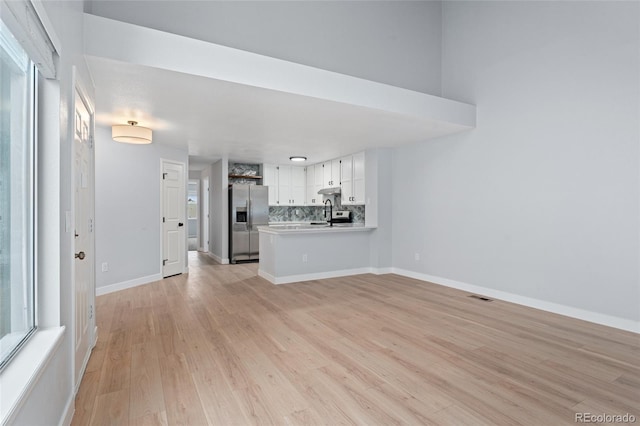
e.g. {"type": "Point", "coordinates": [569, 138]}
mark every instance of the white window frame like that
{"type": "Point", "coordinates": [20, 377]}
{"type": "Point", "coordinates": [16, 340]}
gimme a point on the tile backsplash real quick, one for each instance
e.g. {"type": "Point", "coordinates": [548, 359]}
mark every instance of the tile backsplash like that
{"type": "Point", "coordinates": [244, 169]}
{"type": "Point", "coordinates": [311, 213]}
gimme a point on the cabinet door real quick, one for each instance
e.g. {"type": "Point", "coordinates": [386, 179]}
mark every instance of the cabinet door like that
{"type": "Point", "coordinates": [314, 184]}
{"type": "Point", "coordinates": [331, 174]}
{"type": "Point", "coordinates": [310, 195]}
{"type": "Point", "coordinates": [270, 179]}
{"type": "Point", "coordinates": [326, 174]}
{"type": "Point", "coordinates": [335, 173]}
{"type": "Point", "coordinates": [319, 185]}
{"type": "Point", "coordinates": [358, 179]}
{"type": "Point", "coordinates": [298, 185]}
{"type": "Point", "coordinates": [284, 185]}
{"type": "Point", "coordinates": [346, 180]}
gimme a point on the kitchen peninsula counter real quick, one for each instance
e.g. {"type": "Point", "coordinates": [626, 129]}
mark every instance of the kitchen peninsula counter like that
{"type": "Point", "coordinates": [293, 252]}
{"type": "Point", "coordinates": [306, 228]}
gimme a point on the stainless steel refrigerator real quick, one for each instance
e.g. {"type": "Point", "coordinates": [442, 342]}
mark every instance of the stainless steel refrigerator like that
{"type": "Point", "coordinates": [248, 209]}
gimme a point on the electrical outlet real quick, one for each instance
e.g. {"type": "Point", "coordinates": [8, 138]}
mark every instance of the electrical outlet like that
{"type": "Point", "coordinates": [105, 266]}
{"type": "Point", "coordinates": [305, 257]}
{"type": "Point", "coordinates": [417, 257]}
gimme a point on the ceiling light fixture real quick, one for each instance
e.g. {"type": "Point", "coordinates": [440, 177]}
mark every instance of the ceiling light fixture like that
{"type": "Point", "coordinates": [131, 133]}
{"type": "Point", "coordinates": [298, 158]}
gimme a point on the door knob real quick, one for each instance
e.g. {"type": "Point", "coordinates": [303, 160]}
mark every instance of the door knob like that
{"type": "Point", "coordinates": [80, 255]}
{"type": "Point", "coordinates": [180, 224]}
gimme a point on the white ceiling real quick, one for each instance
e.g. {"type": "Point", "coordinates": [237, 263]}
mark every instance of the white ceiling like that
{"type": "Point", "coordinates": [213, 118]}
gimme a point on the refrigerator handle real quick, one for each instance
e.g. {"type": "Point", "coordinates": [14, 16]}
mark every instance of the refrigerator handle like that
{"type": "Point", "coordinates": [249, 215]}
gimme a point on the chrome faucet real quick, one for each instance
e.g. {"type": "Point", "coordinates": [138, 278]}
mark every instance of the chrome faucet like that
{"type": "Point", "coordinates": [330, 211]}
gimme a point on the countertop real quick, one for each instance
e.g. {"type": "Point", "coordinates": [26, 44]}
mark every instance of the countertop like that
{"type": "Point", "coordinates": [306, 228]}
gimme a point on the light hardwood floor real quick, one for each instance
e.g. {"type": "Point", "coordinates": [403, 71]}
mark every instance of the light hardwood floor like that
{"type": "Point", "coordinates": [221, 346]}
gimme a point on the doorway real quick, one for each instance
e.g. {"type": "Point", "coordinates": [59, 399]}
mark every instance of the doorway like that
{"type": "Point", "coordinates": [193, 190]}
{"type": "Point", "coordinates": [204, 237]}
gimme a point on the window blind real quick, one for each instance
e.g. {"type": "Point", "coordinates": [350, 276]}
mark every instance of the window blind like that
{"type": "Point", "coordinates": [23, 21]}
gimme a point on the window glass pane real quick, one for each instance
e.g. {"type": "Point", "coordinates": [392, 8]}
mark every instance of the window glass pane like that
{"type": "Point", "coordinates": [17, 317]}
{"type": "Point", "coordinates": [192, 201]}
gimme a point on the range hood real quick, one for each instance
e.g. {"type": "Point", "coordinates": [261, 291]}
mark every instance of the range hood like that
{"type": "Point", "coordinates": [330, 191]}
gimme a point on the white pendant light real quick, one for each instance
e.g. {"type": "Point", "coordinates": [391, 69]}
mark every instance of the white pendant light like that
{"type": "Point", "coordinates": [131, 133]}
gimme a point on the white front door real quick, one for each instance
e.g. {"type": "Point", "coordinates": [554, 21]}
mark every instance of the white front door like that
{"type": "Point", "coordinates": [83, 247]}
{"type": "Point", "coordinates": [173, 218]}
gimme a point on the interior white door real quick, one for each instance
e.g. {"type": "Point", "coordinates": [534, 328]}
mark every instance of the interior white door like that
{"type": "Point", "coordinates": [173, 218]}
{"type": "Point", "coordinates": [83, 241]}
{"type": "Point", "coordinates": [205, 214]}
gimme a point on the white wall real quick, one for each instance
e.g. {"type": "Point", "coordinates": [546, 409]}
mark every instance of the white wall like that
{"type": "Point", "coordinates": [207, 173]}
{"type": "Point", "coordinates": [51, 396]}
{"type": "Point", "coordinates": [391, 42]}
{"type": "Point", "coordinates": [541, 200]}
{"type": "Point", "coordinates": [378, 187]}
{"type": "Point", "coordinates": [219, 243]}
{"type": "Point", "coordinates": [128, 209]}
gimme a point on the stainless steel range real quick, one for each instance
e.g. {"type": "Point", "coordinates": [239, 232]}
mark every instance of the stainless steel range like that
{"type": "Point", "coordinates": [341, 216]}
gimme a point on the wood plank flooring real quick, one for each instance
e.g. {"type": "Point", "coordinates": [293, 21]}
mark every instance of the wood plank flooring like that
{"type": "Point", "coordinates": [222, 346]}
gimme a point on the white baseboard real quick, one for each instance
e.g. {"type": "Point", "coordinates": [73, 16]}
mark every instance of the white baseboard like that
{"type": "Point", "coordinates": [556, 308]}
{"type": "Point", "coordinates": [127, 284]}
{"type": "Point", "coordinates": [218, 258]}
{"type": "Point", "coordinates": [267, 276]}
{"type": "Point", "coordinates": [85, 362]}
{"type": "Point", "coordinates": [69, 411]}
{"type": "Point", "coordinates": [314, 276]}
{"type": "Point", "coordinates": [382, 271]}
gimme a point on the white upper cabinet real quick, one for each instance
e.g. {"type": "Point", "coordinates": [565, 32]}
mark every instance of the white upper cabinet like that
{"type": "Point", "coordinates": [331, 174]}
{"type": "Point", "coordinates": [314, 184]}
{"type": "Point", "coordinates": [291, 185]}
{"type": "Point", "coordinates": [284, 185]}
{"type": "Point", "coordinates": [298, 185]}
{"type": "Point", "coordinates": [270, 179]}
{"type": "Point", "coordinates": [358, 178]}
{"type": "Point", "coordinates": [346, 182]}
{"type": "Point", "coordinates": [352, 179]}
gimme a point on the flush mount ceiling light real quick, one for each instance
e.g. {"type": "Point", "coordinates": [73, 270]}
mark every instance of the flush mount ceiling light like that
{"type": "Point", "coordinates": [131, 133]}
{"type": "Point", "coordinates": [298, 158]}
